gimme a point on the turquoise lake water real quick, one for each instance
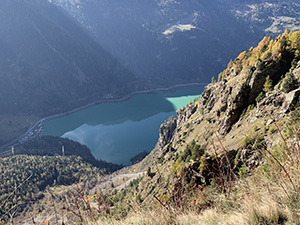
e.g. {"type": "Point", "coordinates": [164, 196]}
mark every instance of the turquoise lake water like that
{"type": "Point", "coordinates": [116, 132]}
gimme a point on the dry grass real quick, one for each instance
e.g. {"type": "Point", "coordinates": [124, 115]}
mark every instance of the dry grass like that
{"type": "Point", "coordinates": [260, 201]}
{"type": "Point", "coordinates": [163, 218]}
{"type": "Point", "coordinates": [263, 202]}
{"type": "Point", "coordinates": [208, 217]}
{"type": "Point", "coordinates": [152, 217]}
{"type": "Point", "coordinates": [271, 195]}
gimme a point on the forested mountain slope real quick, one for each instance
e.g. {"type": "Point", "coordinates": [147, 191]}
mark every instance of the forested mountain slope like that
{"type": "Point", "coordinates": [26, 179]}
{"type": "Point", "coordinates": [53, 146]}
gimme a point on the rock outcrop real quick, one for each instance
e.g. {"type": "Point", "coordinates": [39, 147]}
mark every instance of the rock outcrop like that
{"type": "Point", "coordinates": [235, 116]}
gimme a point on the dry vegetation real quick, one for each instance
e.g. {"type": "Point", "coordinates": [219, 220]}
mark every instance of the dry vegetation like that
{"type": "Point", "coordinates": [247, 176]}
{"type": "Point", "coordinates": [269, 195]}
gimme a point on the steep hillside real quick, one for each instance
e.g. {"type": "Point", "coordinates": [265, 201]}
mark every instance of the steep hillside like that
{"type": "Point", "coordinates": [52, 61]}
{"type": "Point", "coordinates": [49, 64]}
{"type": "Point", "coordinates": [242, 99]}
{"type": "Point", "coordinates": [245, 124]}
{"type": "Point", "coordinates": [181, 41]}
{"type": "Point", "coordinates": [231, 157]}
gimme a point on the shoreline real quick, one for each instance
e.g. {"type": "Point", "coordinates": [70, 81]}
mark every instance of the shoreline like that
{"type": "Point", "coordinates": [37, 128]}
{"type": "Point", "coordinates": [125, 98]}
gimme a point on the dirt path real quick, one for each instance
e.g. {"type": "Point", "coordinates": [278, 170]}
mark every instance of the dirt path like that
{"type": "Point", "coordinates": [117, 182]}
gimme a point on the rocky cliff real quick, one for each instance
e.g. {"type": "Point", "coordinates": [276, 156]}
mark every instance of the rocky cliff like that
{"type": "Point", "coordinates": [254, 97]}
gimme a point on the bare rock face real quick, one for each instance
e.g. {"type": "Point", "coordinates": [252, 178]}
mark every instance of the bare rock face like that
{"type": "Point", "coordinates": [166, 131]}
{"type": "Point", "coordinates": [184, 114]}
{"type": "Point", "coordinates": [237, 105]}
{"type": "Point", "coordinates": [291, 99]}
{"type": "Point", "coordinates": [256, 84]}
{"type": "Point", "coordinates": [223, 104]}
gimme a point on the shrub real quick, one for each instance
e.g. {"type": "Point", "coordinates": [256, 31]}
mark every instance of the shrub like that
{"type": "Point", "coordinates": [260, 97]}
{"type": "Point", "coordinates": [289, 82]}
{"type": "Point", "coordinates": [148, 171]}
{"type": "Point", "coordinates": [171, 118]}
{"type": "Point", "coordinates": [260, 65]}
{"type": "Point", "coordinates": [138, 198]}
{"type": "Point", "coordinates": [295, 62]}
{"type": "Point", "coordinates": [242, 171]}
{"type": "Point", "coordinates": [246, 142]}
{"type": "Point", "coordinates": [246, 111]}
{"type": "Point", "coordinates": [271, 130]}
{"type": "Point", "coordinates": [161, 159]}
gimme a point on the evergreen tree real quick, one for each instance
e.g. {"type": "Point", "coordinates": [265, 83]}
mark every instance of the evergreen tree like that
{"type": "Point", "coordinates": [268, 86]}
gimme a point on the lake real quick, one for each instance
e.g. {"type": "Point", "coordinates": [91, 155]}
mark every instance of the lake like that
{"type": "Point", "coordinates": [115, 132]}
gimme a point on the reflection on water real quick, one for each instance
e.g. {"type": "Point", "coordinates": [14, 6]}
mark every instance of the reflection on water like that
{"type": "Point", "coordinates": [115, 132]}
{"type": "Point", "coordinates": [118, 143]}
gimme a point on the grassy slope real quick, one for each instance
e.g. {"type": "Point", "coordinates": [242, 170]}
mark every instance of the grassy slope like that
{"type": "Point", "coordinates": [264, 183]}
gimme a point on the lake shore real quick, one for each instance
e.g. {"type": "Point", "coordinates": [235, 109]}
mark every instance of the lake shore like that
{"type": "Point", "coordinates": [37, 129]}
{"type": "Point", "coordinates": [118, 100]}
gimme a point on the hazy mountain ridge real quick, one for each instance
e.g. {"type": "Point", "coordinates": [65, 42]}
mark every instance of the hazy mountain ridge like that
{"type": "Point", "coordinates": [271, 17]}
{"type": "Point", "coordinates": [180, 32]}
{"type": "Point", "coordinates": [48, 58]}
{"type": "Point", "coordinates": [164, 41]}
{"type": "Point", "coordinates": [49, 64]}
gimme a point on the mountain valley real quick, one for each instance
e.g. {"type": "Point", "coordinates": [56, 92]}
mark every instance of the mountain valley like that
{"type": "Point", "coordinates": [109, 49]}
{"type": "Point", "coordinates": [229, 156]}
{"type": "Point", "coordinates": [219, 153]}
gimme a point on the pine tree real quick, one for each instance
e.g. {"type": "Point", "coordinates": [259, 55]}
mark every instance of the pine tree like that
{"type": "Point", "coordinates": [268, 86]}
